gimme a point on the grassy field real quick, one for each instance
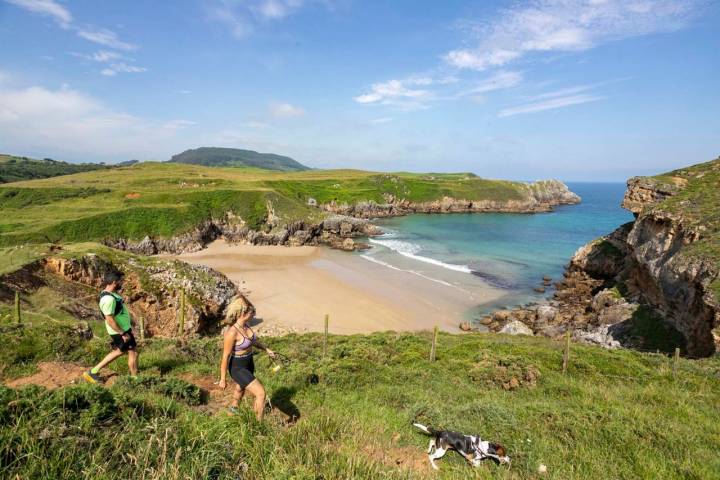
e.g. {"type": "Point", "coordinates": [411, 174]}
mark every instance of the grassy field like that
{"type": "Point", "coordinates": [616, 414]}
{"type": "Point", "coordinates": [164, 199]}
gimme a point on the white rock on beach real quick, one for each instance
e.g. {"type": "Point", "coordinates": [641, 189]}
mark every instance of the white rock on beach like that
{"type": "Point", "coordinates": [516, 327]}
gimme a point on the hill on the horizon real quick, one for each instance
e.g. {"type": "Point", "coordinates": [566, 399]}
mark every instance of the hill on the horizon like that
{"type": "Point", "coordinates": [235, 157]}
{"type": "Point", "coordinates": [16, 169]}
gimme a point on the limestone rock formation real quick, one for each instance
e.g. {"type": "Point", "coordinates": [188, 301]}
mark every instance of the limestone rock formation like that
{"type": "Point", "coordinates": [663, 268]}
{"type": "Point", "coordinates": [153, 289]}
{"type": "Point", "coordinates": [516, 327]}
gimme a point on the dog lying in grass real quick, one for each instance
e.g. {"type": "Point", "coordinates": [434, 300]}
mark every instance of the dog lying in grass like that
{"type": "Point", "coordinates": [472, 447]}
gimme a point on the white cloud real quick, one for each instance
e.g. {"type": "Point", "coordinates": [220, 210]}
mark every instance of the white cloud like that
{"type": "Point", "coordinates": [104, 56]}
{"type": "Point", "coordinates": [567, 25]}
{"type": "Point", "coordinates": [64, 18]}
{"type": "Point", "coordinates": [396, 92]}
{"type": "Point", "coordinates": [111, 58]}
{"type": "Point", "coordinates": [480, 60]}
{"type": "Point", "coordinates": [378, 121]}
{"type": "Point", "coordinates": [241, 17]}
{"type": "Point", "coordinates": [105, 37]}
{"type": "Point", "coordinates": [116, 68]}
{"type": "Point", "coordinates": [225, 13]}
{"type": "Point", "coordinates": [48, 8]}
{"type": "Point", "coordinates": [285, 110]}
{"type": "Point", "coordinates": [275, 9]}
{"type": "Point", "coordinates": [69, 123]}
{"type": "Point", "coordinates": [551, 104]}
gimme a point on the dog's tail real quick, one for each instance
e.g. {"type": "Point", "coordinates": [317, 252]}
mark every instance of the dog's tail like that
{"type": "Point", "coordinates": [428, 430]}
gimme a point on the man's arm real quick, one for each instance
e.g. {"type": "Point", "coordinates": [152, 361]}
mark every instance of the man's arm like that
{"type": "Point", "coordinates": [113, 324]}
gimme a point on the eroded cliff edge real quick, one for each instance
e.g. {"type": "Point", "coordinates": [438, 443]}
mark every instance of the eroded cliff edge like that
{"type": "Point", "coordinates": [654, 282]}
{"type": "Point", "coordinates": [341, 223]}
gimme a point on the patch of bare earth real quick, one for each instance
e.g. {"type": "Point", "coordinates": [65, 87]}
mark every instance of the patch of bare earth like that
{"type": "Point", "coordinates": [406, 457]}
{"type": "Point", "coordinates": [57, 374]}
{"type": "Point", "coordinates": [219, 400]}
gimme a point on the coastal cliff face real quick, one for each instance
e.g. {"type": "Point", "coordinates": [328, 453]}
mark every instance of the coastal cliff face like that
{"type": "Point", "coordinates": [655, 277]}
{"type": "Point", "coordinates": [344, 222]}
{"type": "Point", "coordinates": [538, 196]}
{"type": "Point", "coordinates": [335, 231]}
{"type": "Point", "coordinates": [152, 289]}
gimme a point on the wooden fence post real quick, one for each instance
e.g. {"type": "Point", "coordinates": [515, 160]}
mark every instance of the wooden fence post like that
{"type": "Point", "coordinates": [433, 347]}
{"type": "Point", "coordinates": [675, 361]}
{"type": "Point", "coordinates": [325, 337]}
{"type": "Point", "coordinates": [566, 353]}
{"type": "Point", "coordinates": [18, 315]}
{"type": "Point", "coordinates": [142, 327]}
{"type": "Point", "coordinates": [182, 312]}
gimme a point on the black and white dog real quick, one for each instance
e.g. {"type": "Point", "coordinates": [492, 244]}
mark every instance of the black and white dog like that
{"type": "Point", "coordinates": [472, 447]}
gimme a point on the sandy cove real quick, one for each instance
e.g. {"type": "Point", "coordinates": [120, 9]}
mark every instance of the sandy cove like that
{"type": "Point", "coordinates": [296, 286]}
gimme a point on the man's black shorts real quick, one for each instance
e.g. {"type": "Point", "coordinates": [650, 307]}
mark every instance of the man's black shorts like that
{"type": "Point", "coordinates": [118, 342]}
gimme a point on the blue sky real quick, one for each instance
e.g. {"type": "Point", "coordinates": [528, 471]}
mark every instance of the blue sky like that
{"type": "Point", "coordinates": [578, 90]}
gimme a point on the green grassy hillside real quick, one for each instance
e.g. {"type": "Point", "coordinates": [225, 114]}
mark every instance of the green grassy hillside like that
{"type": "Point", "coordinates": [616, 414]}
{"type": "Point", "coordinates": [235, 157]}
{"type": "Point", "coordinates": [15, 169]}
{"type": "Point", "coordinates": [164, 199]}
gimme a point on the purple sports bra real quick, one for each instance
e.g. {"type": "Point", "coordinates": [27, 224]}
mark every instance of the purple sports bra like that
{"type": "Point", "coordinates": [246, 342]}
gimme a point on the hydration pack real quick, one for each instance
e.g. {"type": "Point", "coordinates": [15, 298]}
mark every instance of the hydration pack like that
{"type": "Point", "coordinates": [118, 303]}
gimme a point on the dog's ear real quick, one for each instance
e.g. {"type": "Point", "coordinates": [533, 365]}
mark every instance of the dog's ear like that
{"type": "Point", "coordinates": [499, 449]}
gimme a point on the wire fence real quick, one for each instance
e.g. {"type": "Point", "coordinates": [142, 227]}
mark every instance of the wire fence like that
{"type": "Point", "coordinates": [667, 362]}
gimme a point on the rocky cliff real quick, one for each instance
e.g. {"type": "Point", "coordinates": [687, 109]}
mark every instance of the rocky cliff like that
{"type": "Point", "coordinates": [653, 283]}
{"type": "Point", "coordinates": [335, 231]}
{"type": "Point", "coordinates": [344, 222]}
{"type": "Point", "coordinates": [538, 196]}
{"type": "Point", "coordinates": [152, 288]}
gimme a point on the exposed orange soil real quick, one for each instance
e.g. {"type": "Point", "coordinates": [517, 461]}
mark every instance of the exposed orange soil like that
{"type": "Point", "coordinates": [57, 374]}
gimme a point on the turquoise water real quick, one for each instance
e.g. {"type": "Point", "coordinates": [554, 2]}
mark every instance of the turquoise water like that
{"type": "Point", "coordinates": [510, 252]}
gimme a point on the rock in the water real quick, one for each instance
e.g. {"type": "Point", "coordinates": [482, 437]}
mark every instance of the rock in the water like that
{"type": "Point", "coordinates": [465, 326]}
{"type": "Point", "coordinates": [516, 327]}
{"type": "Point", "coordinates": [486, 321]}
{"type": "Point", "coordinates": [539, 289]}
{"type": "Point", "coordinates": [502, 315]}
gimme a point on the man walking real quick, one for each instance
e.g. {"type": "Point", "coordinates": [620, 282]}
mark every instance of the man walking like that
{"type": "Point", "coordinates": [118, 326]}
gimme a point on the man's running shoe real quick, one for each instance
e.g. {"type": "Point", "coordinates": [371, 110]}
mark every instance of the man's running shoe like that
{"type": "Point", "coordinates": [92, 377]}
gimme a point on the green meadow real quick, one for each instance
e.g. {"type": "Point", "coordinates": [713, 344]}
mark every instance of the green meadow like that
{"type": "Point", "coordinates": [165, 199]}
{"type": "Point", "coordinates": [615, 414]}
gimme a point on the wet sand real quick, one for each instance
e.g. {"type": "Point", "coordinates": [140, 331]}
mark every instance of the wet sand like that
{"type": "Point", "coordinates": [296, 286]}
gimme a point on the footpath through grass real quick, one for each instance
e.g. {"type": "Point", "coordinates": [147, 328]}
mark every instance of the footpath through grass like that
{"type": "Point", "coordinates": [616, 414]}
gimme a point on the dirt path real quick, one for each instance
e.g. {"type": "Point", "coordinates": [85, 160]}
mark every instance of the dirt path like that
{"type": "Point", "coordinates": [54, 375]}
{"type": "Point", "coordinates": [57, 374]}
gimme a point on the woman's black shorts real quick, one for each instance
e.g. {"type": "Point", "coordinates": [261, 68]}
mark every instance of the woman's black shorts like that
{"type": "Point", "coordinates": [116, 341]}
{"type": "Point", "coordinates": [242, 369]}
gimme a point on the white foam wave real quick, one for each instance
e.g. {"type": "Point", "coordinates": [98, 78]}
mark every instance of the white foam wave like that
{"type": "Point", "coordinates": [385, 264]}
{"type": "Point", "coordinates": [410, 250]}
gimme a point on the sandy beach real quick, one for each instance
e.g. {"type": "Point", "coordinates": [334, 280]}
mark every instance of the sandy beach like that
{"type": "Point", "coordinates": [296, 286]}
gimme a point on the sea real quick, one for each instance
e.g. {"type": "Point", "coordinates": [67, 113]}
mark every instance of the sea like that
{"type": "Point", "coordinates": [506, 253]}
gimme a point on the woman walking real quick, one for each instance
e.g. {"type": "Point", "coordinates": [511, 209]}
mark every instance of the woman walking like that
{"type": "Point", "coordinates": [237, 357]}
